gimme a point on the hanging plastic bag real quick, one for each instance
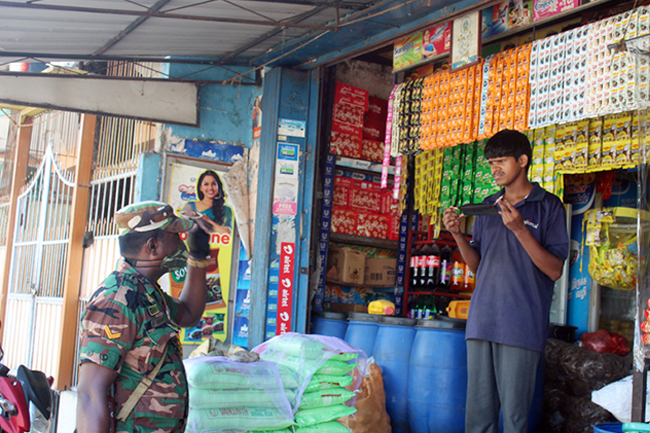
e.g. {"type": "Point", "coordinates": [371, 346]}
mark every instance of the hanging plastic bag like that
{"type": "Point", "coordinates": [603, 341]}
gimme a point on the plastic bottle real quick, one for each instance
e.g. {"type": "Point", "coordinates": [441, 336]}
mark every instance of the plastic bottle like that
{"type": "Point", "coordinates": [445, 267]}
{"type": "Point", "coordinates": [413, 267]}
{"type": "Point", "coordinates": [433, 266]}
{"type": "Point", "coordinates": [422, 263]}
{"type": "Point", "coordinates": [457, 271]}
{"type": "Point", "coordinates": [470, 280]}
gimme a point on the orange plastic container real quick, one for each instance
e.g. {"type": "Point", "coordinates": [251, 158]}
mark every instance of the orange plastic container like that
{"type": "Point", "coordinates": [458, 309]}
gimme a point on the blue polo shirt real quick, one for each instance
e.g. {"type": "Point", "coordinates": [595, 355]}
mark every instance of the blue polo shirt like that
{"type": "Point", "coordinates": [512, 298]}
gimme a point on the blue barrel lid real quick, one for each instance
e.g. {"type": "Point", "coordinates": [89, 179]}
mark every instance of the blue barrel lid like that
{"type": "Point", "coordinates": [392, 320]}
{"type": "Point", "coordinates": [331, 315]}
{"type": "Point", "coordinates": [442, 322]}
{"type": "Point", "coordinates": [363, 317]}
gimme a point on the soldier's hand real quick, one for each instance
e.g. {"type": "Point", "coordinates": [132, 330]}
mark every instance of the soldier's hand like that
{"type": "Point", "coordinates": [198, 239]}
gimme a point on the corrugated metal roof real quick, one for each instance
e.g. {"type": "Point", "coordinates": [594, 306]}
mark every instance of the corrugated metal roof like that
{"type": "Point", "coordinates": [225, 31]}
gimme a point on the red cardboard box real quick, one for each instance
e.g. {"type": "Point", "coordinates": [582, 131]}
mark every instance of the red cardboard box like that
{"type": "Point", "coordinates": [346, 128]}
{"type": "Point", "coordinates": [347, 90]}
{"type": "Point", "coordinates": [365, 200]}
{"type": "Point", "coordinates": [350, 114]}
{"type": "Point", "coordinates": [341, 197]}
{"type": "Point", "coordinates": [345, 144]}
{"type": "Point", "coordinates": [389, 206]}
{"type": "Point", "coordinates": [350, 100]}
{"type": "Point", "coordinates": [377, 109]}
{"type": "Point", "coordinates": [393, 231]}
{"type": "Point", "coordinates": [374, 129]}
{"type": "Point", "coordinates": [344, 221]}
{"type": "Point", "coordinates": [372, 150]}
{"type": "Point", "coordinates": [373, 225]}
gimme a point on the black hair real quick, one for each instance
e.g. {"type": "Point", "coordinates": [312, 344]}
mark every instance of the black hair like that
{"type": "Point", "coordinates": [508, 143]}
{"type": "Point", "coordinates": [219, 201]}
{"type": "Point", "coordinates": [131, 244]}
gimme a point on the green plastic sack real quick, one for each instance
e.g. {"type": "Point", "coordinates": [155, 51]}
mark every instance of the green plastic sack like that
{"type": "Point", "coordinates": [308, 417]}
{"type": "Point", "coordinates": [320, 382]}
{"type": "Point", "coordinates": [284, 430]}
{"type": "Point", "coordinates": [210, 373]}
{"type": "Point", "coordinates": [335, 368]}
{"type": "Point", "coordinates": [325, 398]}
{"type": "Point", "coordinates": [325, 427]}
{"type": "Point", "coordinates": [201, 398]}
{"type": "Point", "coordinates": [205, 420]}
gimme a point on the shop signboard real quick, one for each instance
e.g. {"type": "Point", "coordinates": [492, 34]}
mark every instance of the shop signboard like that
{"type": "Point", "coordinates": [185, 192]}
{"type": "Point", "coordinates": [407, 51]}
{"type": "Point", "coordinates": [547, 8]}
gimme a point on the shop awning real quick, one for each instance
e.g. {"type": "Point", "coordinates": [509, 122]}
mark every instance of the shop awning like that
{"type": "Point", "coordinates": [222, 32]}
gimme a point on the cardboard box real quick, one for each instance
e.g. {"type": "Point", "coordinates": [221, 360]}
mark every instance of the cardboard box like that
{"type": "Point", "coordinates": [380, 272]}
{"type": "Point", "coordinates": [345, 265]}
{"type": "Point", "coordinates": [338, 307]}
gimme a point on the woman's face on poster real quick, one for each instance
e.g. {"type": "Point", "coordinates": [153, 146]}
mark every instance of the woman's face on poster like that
{"type": "Point", "coordinates": [209, 187]}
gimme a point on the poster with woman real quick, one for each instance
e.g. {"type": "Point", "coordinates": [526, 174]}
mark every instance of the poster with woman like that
{"type": "Point", "coordinates": [204, 191]}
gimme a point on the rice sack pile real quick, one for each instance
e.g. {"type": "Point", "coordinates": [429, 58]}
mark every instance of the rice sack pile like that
{"type": "Point", "coordinates": [322, 367]}
{"type": "Point", "coordinates": [229, 397]}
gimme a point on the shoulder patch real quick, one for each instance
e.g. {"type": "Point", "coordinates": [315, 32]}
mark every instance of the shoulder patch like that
{"type": "Point", "coordinates": [111, 335]}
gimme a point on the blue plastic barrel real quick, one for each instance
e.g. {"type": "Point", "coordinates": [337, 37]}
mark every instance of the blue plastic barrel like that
{"type": "Point", "coordinates": [362, 331]}
{"type": "Point", "coordinates": [332, 324]}
{"type": "Point", "coordinates": [609, 427]}
{"type": "Point", "coordinates": [392, 353]}
{"type": "Point", "coordinates": [437, 379]}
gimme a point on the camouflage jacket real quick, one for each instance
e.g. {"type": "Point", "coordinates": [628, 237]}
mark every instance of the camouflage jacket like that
{"type": "Point", "coordinates": [125, 327]}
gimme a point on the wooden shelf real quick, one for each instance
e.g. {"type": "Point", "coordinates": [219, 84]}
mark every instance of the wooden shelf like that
{"type": "Point", "coordinates": [363, 240]}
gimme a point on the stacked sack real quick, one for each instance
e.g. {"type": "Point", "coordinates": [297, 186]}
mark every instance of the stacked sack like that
{"type": "Point", "coordinates": [322, 368]}
{"type": "Point", "coordinates": [227, 396]}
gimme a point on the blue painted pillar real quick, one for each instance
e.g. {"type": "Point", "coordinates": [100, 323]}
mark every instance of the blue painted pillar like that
{"type": "Point", "coordinates": [148, 168]}
{"type": "Point", "coordinates": [287, 97]}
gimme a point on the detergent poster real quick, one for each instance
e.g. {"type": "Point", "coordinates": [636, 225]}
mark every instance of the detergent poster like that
{"type": "Point", "coordinates": [205, 191]}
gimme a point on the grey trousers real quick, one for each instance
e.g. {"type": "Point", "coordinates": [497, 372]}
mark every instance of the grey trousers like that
{"type": "Point", "coordinates": [499, 377]}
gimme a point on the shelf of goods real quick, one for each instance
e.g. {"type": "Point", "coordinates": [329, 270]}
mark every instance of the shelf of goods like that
{"type": "Point", "coordinates": [425, 239]}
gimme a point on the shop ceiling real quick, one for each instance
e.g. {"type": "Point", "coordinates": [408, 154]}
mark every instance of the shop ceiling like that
{"type": "Point", "coordinates": [289, 33]}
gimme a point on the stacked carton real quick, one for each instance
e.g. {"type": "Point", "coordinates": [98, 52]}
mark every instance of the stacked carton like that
{"type": "Point", "coordinates": [374, 129]}
{"type": "Point", "coordinates": [362, 207]}
{"type": "Point", "coordinates": [350, 105]}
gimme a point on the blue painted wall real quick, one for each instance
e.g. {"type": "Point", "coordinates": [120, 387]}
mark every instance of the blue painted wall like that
{"type": "Point", "coordinates": [226, 110]}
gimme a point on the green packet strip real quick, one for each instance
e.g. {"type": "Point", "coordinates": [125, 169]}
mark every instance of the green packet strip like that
{"type": "Point", "coordinates": [309, 417]}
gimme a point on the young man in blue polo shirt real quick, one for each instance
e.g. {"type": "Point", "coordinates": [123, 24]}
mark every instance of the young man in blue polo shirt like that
{"type": "Point", "coordinates": [516, 256]}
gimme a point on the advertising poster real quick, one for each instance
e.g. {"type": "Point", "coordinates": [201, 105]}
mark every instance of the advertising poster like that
{"type": "Point", "coordinates": [204, 191]}
{"type": "Point", "coordinates": [285, 197]}
{"type": "Point", "coordinates": [436, 40]}
{"type": "Point", "coordinates": [580, 191]}
{"type": "Point", "coordinates": [547, 8]}
{"type": "Point", "coordinates": [407, 51]}
{"type": "Point", "coordinates": [287, 258]}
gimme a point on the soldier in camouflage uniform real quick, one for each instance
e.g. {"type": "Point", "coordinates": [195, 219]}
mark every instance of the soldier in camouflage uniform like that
{"type": "Point", "coordinates": [129, 324]}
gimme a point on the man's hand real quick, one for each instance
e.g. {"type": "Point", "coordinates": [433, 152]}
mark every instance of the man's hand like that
{"type": "Point", "coordinates": [511, 216]}
{"type": "Point", "coordinates": [198, 239]}
{"type": "Point", "coordinates": [451, 220]}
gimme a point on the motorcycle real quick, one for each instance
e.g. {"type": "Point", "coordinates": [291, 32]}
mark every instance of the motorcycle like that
{"type": "Point", "coordinates": [25, 400]}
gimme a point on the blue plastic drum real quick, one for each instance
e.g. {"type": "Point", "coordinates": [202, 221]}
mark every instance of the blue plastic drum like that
{"type": "Point", "coordinates": [392, 353]}
{"type": "Point", "coordinates": [362, 331]}
{"type": "Point", "coordinates": [332, 324]}
{"type": "Point", "coordinates": [437, 379]}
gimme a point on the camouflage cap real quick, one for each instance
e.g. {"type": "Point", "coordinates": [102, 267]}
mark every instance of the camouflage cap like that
{"type": "Point", "coordinates": [147, 216]}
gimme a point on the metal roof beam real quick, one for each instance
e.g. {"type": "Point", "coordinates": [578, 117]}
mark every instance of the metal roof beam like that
{"type": "Point", "coordinates": [42, 57]}
{"type": "Point", "coordinates": [157, 14]}
{"type": "Point", "coordinates": [134, 25]}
